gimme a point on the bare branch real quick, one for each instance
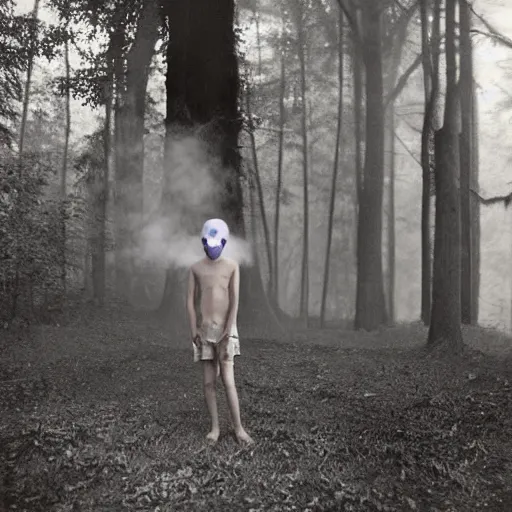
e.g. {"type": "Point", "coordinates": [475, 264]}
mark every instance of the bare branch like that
{"type": "Point", "coordinates": [407, 149]}
{"type": "Point", "coordinates": [493, 33]}
{"type": "Point", "coordinates": [393, 95]}
{"type": "Point", "coordinates": [506, 200]}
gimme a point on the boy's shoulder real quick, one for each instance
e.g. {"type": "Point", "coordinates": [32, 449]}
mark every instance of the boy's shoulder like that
{"type": "Point", "coordinates": [197, 265]}
{"type": "Point", "coordinates": [232, 263]}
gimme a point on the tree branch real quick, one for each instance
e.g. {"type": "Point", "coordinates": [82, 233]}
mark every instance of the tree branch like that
{"type": "Point", "coordinates": [506, 200]}
{"type": "Point", "coordinates": [350, 17]}
{"type": "Point", "coordinates": [493, 33]}
{"type": "Point", "coordinates": [407, 149]}
{"type": "Point", "coordinates": [505, 41]}
{"type": "Point", "coordinates": [393, 95]}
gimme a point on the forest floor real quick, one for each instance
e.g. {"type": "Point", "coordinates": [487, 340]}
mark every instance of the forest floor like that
{"type": "Point", "coordinates": [105, 413]}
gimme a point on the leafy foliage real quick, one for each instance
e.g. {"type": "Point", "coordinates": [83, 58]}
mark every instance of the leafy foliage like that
{"type": "Point", "coordinates": [29, 237]}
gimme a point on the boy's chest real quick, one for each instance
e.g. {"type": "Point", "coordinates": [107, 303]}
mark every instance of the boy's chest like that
{"type": "Point", "coordinates": [217, 276]}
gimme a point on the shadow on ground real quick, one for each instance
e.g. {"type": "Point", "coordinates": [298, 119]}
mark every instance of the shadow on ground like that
{"type": "Point", "coordinates": [105, 413]}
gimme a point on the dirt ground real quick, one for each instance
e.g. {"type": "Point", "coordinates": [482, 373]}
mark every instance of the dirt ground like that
{"type": "Point", "coordinates": [105, 413]}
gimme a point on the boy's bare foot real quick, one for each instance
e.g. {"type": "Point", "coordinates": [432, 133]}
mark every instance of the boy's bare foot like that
{"type": "Point", "coordinates": [243, 437]}
{"type": "Point", "coordinates": [213, 436]}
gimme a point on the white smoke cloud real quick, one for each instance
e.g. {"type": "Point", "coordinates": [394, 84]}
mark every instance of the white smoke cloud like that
{"type": "Point", "coordinates": [166, 240]}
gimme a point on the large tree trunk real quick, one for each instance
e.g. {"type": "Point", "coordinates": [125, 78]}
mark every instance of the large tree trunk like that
{"type": "Point", "coordinates": [466, 165]}
{"type": "Point", "coordinates": [334, 171]}
{"type": "Point", "coordinates": [446, 297]}
{"type": "Point", "coordinates": [370, 302]}
{"type": "Point", "coordinates": [202, 91]}
{"type": "Point", "coordinates": [131, 85]}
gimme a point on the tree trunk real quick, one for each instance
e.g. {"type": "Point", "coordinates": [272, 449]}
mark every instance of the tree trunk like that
{"type": "Point", "coordinates": [475, 209]}
{"type": "Point", "coordinates": [446, 296]}
{"type": "Point", "coordinates": [202, 87]}
{"type": "Point", "coordinates": [63, 175]}
{"type": "Point", "coordinates": [390, 159]}
{"type": "Point", "coordinates": [282, 113]}
{"type": "Point", "coordinates": [28, 82]}
{"type": "Point", "coordinates": [102, 193]}
{"type": "Point", "coordinates": [130, 113]}
{"type": "Point", "coordinates": [304, 289]}
{"type": "Point", "coordinates": [370, 302]}
{"type": "Point", "coordinates": [358, 117]}
{"type": "Point", "coordinates": [261, 200]}
{"type": "Point", "coordinates": [430, 64]}
{"type": "Point", "coordinates": [334, 172]}
{"type": "Point", "coordinates": [466, 164]}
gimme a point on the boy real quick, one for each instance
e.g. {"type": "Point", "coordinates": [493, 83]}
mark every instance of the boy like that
{"type": "Point", "coordinates": [217, 281]}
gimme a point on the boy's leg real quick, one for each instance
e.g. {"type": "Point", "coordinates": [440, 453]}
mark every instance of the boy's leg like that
{"type": "Point", "coordinates": [209, 383]}
{"type": "Point", "coordinates": [228, 378]}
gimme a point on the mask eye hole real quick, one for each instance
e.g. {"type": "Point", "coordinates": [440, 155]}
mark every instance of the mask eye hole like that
{"type": "Point", "coordinates": [203, 240]}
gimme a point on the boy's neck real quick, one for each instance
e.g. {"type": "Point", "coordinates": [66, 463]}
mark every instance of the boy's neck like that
{"type": "Point", "coordinates": [213, 262]}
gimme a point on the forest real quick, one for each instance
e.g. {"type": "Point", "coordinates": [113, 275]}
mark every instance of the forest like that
{"type": "Point", "coordinates": [358, 151]}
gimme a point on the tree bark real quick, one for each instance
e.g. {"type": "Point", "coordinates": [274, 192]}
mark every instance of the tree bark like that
{"type": "Point", "coordinates": [334, 171]}
{"type": "Point", "coordinates": [466, 164]}
{"type": "Point", "coordinates": [370, 302]}
{"type": "Point", "coordinates": [131, 87]}
{"type": "Point", "coordinates": [202, 86]}
{"type": "Point", "coordinates": [446, 297]}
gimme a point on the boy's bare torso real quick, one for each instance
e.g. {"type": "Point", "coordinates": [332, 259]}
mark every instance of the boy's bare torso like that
{"type": "Point", "coordinates": [213, 279]}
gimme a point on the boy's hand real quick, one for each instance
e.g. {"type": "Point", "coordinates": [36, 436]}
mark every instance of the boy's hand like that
{"type": "Point", "coordinates": [196, 340]}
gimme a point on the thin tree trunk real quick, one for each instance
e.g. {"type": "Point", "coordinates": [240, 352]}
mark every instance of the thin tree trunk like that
{"type": "Point", "coordinates": [254, 230]}
{"type": "Point", "coordinates": [466, 163]}
{"type": "Point", "coordinates": [391, 213]}
{"type": "Point", "coordinates": [28, 82]}
{"type": "Point", "coordinates": [430, 80]}
{"type": "Point", "coordinates": [370, 301]}
{"type": "Point", "coordinates": [304, 290]}
{"type": "Point", "coordinates": [102, 186]}
{"type": "Point", "coordinates": [63, 175]}
{"type": "Point", "coordinates": [446, 297]}
{"type": "Point", "coordinates": [282, 113]}
{"type": "Point", "coordinates": [257, 180]}
{"type": "Point", "coordinates": [334, 172]}
{"type": "Point", "coordinates": [475, 208]}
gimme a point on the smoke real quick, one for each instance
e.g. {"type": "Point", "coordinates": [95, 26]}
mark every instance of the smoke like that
{"type": "Point", "coordinates": [171, 237]}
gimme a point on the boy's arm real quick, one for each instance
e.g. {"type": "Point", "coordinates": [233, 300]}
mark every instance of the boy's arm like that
{"type": "Point", "coordinates": [234, 294]}
{"type": "Point", "coordinates": [191, 309]}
